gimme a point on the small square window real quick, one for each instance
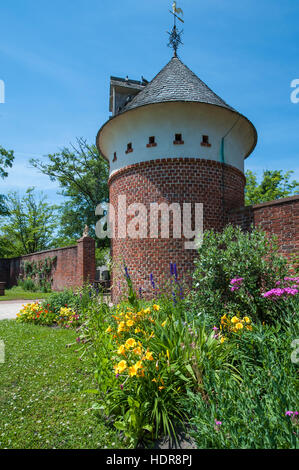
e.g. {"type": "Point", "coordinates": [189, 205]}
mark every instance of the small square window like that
{"type": "Point", "coordinates": [129, 148]}
{"type": "Point", "coordinates": [178, 139]}
{"type": "Point", "coordinates": [152, 142]}
{"type": "Point", "coordinates": [205, 141]}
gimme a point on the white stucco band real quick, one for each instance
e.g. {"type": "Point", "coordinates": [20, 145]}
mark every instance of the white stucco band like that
{"type": "Point", "coordinates": [231, 135]}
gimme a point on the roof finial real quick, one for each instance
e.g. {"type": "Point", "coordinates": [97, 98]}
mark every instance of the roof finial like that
{"type": "Point", "coordinates": [175, 35]}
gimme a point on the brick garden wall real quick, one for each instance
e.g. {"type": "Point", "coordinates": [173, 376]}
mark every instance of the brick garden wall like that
{"type": "Point", "coordinates": [219, 187]}
{"type": "Point", "coordinates": [280, 218]}
{"type": "Point", "coordinates": [74, 265]}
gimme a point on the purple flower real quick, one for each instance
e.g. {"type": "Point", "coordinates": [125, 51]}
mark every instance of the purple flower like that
{"type": "Point", "coordinates": [122, 386]}
{"type": "Point", "coordinates": [171, 269]}
{"type": "Point", "coordinates": [117, 375]}
{"type": "Point", "coordinates": [289, 413]}
{"type": "Point", "coordinates": [152, 281]}
{"type": "Point", "coordinates": [175, 271]}
{"type": "Point", "coordinates": [215, 328]}
{"type": "Point", "coordinates": [127, 273]}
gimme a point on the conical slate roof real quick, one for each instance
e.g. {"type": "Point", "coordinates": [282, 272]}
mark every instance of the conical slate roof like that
{"type": "Point", "coordinates": [175, 82]}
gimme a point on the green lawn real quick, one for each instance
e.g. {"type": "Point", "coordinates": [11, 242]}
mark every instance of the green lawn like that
{"type": "Point", "coordinates": [17, 293]}
{"type": "Point", "coordinates": [42, 399]}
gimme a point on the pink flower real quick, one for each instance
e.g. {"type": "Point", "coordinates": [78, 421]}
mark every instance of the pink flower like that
{"type": "Point", "coordinates": [237, 280]}
{"type": "Point", "coordinates": [274, 293]}
{"type": "Point", "coordinates": [289, 413]}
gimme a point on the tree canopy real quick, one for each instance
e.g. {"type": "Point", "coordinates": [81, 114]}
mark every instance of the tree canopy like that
{"type": "Point", "coordinates": [275, 184]}
{"type": "Point", "coordinates": [6, 161]}
{"type": "Point", "coordinates": [30, 226]}
{"type": "Point", "coordinates": [82, 174]}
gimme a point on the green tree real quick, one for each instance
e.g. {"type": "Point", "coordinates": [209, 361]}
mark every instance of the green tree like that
{"type": "Point", "coordinates": [6, 160]}
{"type": "Point", "coordinates": [82, 174]}
{"type": "Point", "coordinates": [274, 185]}
{"type": "Point", "coordinates": [30, 226]}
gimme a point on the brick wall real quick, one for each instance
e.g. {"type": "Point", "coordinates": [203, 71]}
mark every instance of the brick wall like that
{"type": "Point", "coordinates": [218, 186]}
{"type": "Point", "coordinates": [280, 218]}
{"type": "Point", "coordinates": [74, 265]}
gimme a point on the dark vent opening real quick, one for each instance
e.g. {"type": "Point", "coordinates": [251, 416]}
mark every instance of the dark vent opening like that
{"type": "Point", "coordinates": [178, 139]}
{"type": "Point", "coordinates": [205, 141]}
{"type": "Point", "coordinates": [151, 142]}
{"type": "Point", "coordinates": [129, 147]}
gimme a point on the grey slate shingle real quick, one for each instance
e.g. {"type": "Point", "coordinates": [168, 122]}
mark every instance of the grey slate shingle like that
{"type": "Point", "coordinates": [175, 82]}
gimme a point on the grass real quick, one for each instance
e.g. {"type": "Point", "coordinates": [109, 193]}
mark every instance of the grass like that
{"type": "Point", "coordinates": [17, 293]}
{"type": "Point", "coordinates": [42, 400]}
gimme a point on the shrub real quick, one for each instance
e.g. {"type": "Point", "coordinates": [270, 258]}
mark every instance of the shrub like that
{"type": "Point", "coordinates": [67, 318]}
{"type": "Point", "coordinates": [57, 300]}
{"type": "Point", "coordinates": [78, 300]}
{"type": "Point", "coordinates": [232, 271]}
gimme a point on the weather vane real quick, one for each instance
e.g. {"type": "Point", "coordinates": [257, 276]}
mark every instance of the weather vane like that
{"type": "Point", "coordinates": [175, 35]}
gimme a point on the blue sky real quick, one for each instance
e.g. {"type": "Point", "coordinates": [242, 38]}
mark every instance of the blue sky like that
{"type": "Point", "coordinates": [56, 59]}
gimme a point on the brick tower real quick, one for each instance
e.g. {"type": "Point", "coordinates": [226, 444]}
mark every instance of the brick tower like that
{"type": "Point", "coordinates": [172, 140]}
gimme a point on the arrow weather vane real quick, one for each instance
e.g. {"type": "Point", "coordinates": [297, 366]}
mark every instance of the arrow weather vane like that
{"type": "Point", "coordinates": [175, 35]}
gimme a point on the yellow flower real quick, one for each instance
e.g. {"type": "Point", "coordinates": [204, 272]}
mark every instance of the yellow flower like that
{"type": "Point", "coordinates": [235, 320]}
{"type": "Point", "coordinates": [168, 355]}
{"type": "Point", "coordinates": [120, 367]}
{"type": "Point", "coordinates": [109, 329]}
{"type": "Point", "coordinates": [154, 380]}
{"type": "Point", "coordinates": [147, 311]}
{"type": "Point", "coordinates": [134, 369]}
{"type": "Point", "coordinates": [130, 343]}
{"type": "Point", "coordinates": [137, 330]}
{"type": "Point", "coordinates": [223, 319]}
{"type": "Point", "coordinates": [249, 327]}
{"type": "Point", "coordinates": [164, 323]}
{"type": "Point", "coordinates": [156, 308]}
{"type": "Point", "coordinates": [130, 323]}
{"type": "Point", "coordinates": [137, 351]}
{"type": "Point", "coordinates": [161, 388]}
{"type": "Point", "coordinates": [149, 356]}
{"type": "Point", "coordinates": [239, 326]}
{"type": "Point", "coordinates": [121, 327]}
{"type": "Point", "coordinates": [223, 339]}
{"type": "Point", "coordinates": [121, 350]}
{"type": "Point", "coordinates": [247, 320]}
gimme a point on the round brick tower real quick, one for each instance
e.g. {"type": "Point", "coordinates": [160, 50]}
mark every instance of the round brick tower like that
{"type": "Point", "coordinates": [173, 141]}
